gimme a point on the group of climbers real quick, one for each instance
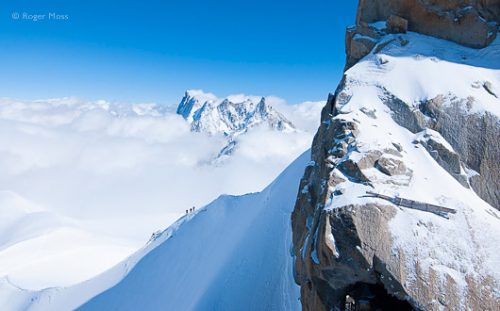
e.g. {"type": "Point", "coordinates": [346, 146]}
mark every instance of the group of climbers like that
{"type": "Point", "coordinates": [191, 210]}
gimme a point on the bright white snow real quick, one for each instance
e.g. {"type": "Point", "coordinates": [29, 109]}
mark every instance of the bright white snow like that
{"type": "Point", "coordinates": [233, 254]}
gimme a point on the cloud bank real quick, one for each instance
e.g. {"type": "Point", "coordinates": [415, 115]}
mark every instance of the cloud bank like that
{"type": "Point", "coordinates": [95, 160]}
{"type": "Point", "coordinates": [111, 174]}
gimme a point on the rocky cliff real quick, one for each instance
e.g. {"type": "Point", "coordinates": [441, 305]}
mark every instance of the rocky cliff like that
{"type": "Point", "coordinates": [472, 23]}
{"type": "Point", "coordinates": [414, 117]}
{"type": "Point", "coordinates": [468, 22]}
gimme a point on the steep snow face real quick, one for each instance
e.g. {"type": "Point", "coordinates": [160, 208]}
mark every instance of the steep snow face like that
{"type": "Point", "coordinates": [233, 254]}
{"type": "Point", "coordinates": [232, 115]}
{"type": "Point", "coordinates": [387, 130]}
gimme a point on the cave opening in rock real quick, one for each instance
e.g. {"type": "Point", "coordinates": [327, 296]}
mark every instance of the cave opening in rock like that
{"type": "Point", "coordinates": [373, 297]}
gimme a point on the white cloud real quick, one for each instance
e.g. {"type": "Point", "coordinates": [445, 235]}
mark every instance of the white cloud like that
{"type": "Point", "coordinates": [124, 171]}
{"type": "Point", "coordinates": [305, 116]}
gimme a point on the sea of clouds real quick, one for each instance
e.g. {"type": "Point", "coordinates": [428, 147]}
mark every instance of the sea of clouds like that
{"type": "Point", "coordinates": [126, 170]}
{"type": "Point", "coordinates": [84, 184]}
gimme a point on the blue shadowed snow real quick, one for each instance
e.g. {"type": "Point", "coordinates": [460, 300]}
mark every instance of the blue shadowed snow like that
{"type": "Point", "coordinates": [233, 255]}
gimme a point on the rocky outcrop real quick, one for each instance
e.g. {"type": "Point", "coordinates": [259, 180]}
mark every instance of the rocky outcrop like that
{"type": "Point", "coordinates": [396, 24]}
{"type": "Point", "coordinates": [444, 155]}
{"type": "Point", "coordinates": [350, 249]}
{"type": "Point", "coordinates": [473, 154]}
{"type": "Point", "coordinates": [476, 143]}
{"type": "Point", "coordinates": [359, 42]}
{"type": "Point", "coordinates": [472, 23]}
{"type": "Point", "coordinates": [468, 22]}
{"type": "Point", "coordinates": [358, 45]}
{"type": "Point", "coordinates": [391, 166]}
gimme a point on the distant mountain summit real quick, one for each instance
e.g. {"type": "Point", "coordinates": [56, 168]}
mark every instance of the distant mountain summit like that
{"type": "Point", "coordinates": [231, 116]}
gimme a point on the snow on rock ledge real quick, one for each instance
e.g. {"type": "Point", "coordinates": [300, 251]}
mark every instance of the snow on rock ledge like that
{"type": "Point", "coordinates": [409, 90]}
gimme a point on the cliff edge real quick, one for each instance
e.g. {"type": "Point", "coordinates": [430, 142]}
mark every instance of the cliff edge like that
{"type": "Point", "coordinates": [415, 117]}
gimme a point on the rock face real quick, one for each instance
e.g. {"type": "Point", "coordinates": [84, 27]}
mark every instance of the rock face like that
{"type": "Point", "coordinates": [474, 137]}
{"type": "Point", "coordinates": [472, 23]}
{"type": "Point", "coordinates": [391, 128]}
{"type": "Point", "coordinates": [475, 144]}
{"type": "Point", "coordinates": [396, 24]}
{"type": "Point", "coordinates": [468, 22]}
{"type": "Point", "coordinates": [444, 155]}
{"type": "Point", "coordinates": [343, 243]}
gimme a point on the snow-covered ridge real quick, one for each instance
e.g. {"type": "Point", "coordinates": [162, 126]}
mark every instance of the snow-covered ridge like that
{"type": "Point", "coordinates": [232, 115]}
{"type": "Point", "coordinates": [233, 254]}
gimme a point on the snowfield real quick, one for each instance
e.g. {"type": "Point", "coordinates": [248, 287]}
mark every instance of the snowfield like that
{"type": "Point", "coordinates": [427, 67]}
{"type": "Point", "coordinates": [233, 254]}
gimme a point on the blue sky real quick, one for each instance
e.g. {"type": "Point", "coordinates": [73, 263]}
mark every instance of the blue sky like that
{"type": "Point", "coordinates": [151, 51]}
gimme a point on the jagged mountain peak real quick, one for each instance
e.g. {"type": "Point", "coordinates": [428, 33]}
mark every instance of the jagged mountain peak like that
{"type": "Point", "coordinates": [231, 115]}
{"type": "Point", "coordinates": [192, 101]}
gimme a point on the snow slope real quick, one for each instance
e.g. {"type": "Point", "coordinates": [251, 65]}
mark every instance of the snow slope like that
{"type": "Point", "coordinates": [426, 67]}
{"type": "Point", "coordinates": [233, 254]}
{"type": "Point", "coordinates": [36, 245]}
